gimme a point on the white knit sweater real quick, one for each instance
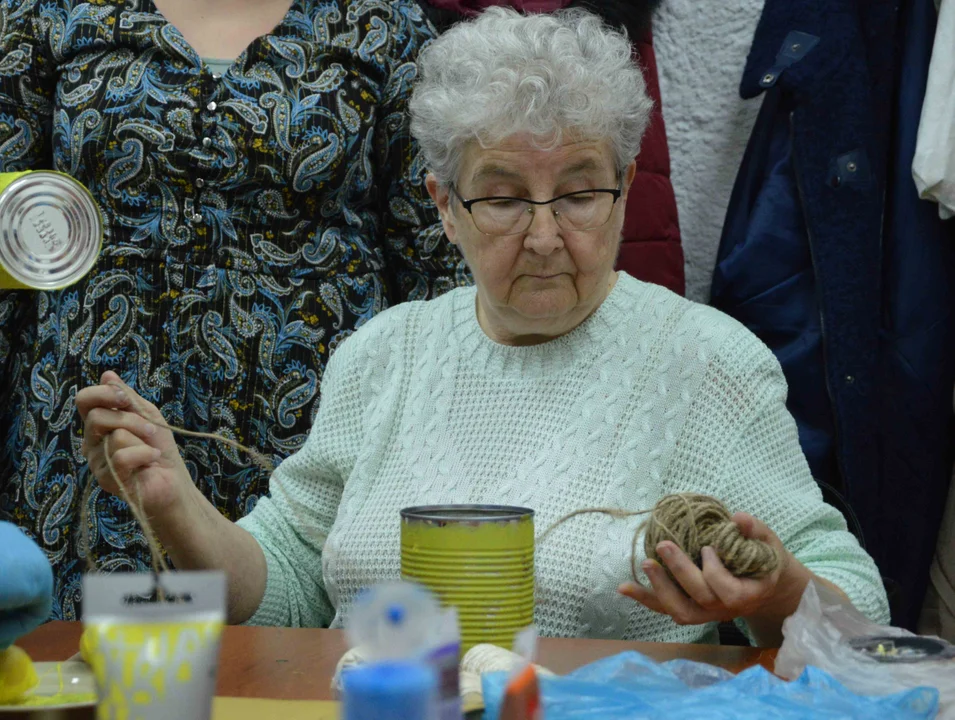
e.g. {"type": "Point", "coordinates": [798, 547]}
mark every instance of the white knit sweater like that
{"type": "Point", "coordinates": [651, 395]}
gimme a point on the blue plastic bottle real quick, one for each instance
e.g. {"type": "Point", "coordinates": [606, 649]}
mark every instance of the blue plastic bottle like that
{"type": "Point", "coordinates": [402, 622]}
{"type": "Point", "coordinates": [393, 690]}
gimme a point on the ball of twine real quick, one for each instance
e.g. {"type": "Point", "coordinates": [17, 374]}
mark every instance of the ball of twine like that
{"type": "Point", "coordinates": [694, 521]}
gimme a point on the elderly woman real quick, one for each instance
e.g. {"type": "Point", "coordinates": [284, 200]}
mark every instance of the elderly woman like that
{"type": "Point", "coordinates": [555, 383]}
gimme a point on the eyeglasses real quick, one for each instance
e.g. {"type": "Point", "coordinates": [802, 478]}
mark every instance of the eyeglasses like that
{"type": "Point", "coordinates": [576, 211]}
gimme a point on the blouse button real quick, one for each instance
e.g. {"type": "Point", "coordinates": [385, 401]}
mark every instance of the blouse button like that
{"type": "Point", "coordinates": [197, 218]}
{"type": "Point", "coordinates": [216, 76]}
{"type": "Point", "coordinates": [206, 142]}
{"type": "Point", "coordinates": [200, 183]}
{"type": "Point", "coordinates": [211, 107]}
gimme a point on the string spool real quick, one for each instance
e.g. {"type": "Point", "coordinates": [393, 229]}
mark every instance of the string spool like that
{"type": "Point", "coordinates": [476, 662]}
{"type": "Point", "coordinates": [486, 658]}
{"type": "Point", "coordinates": [693, 521]}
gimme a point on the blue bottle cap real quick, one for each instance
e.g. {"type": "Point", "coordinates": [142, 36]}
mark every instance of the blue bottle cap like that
{"type": "Point", "coordinates": [389, 691]}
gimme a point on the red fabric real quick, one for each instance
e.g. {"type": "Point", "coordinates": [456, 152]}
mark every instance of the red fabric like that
{"type": "Point", "coordinates": [651, 248]}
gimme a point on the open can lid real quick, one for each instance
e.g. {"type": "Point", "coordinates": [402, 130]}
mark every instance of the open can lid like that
{"type": "Point", "coordinates": [51, 230]}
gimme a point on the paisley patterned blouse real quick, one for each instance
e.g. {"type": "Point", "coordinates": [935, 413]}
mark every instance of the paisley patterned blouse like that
{"type": "Point", "coordinates": [254, 221]}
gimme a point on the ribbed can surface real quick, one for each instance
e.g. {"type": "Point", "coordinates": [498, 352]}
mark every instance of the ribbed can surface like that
{"type": "Point", "coordinates": [51, 230]}
{"type": "Point", "coordinates": [477, 558]}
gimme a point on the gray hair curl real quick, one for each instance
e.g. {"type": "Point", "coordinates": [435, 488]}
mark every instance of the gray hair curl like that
{"type": "Point", "coordinates": [506, 73]}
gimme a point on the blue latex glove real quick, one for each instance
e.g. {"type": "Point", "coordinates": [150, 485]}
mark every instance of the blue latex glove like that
{"type": "Point", "coordinates": [26, 585]}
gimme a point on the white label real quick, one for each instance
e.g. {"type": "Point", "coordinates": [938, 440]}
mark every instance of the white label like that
{"type": "Point", "coordinates": [44, 230]}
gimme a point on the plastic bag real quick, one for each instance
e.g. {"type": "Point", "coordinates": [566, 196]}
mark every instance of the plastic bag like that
{"type": "Point", "coordinates": [827, 632]}
{"type": "Point", "coordinates": [630, 686]}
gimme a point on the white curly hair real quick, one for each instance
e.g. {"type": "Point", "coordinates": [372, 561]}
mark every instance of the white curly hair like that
{"type": "Point", "coordinates": [505, 73]}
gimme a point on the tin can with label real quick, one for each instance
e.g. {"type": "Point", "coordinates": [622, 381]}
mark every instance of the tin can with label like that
{"type": "Point", "coordinates": [51, 230]}
{"type": "Point", "coordinates": [478, 559]}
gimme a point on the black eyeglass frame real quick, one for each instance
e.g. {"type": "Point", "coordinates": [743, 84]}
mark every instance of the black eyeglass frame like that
{"type": "Point", "coordinates": [467, 204]}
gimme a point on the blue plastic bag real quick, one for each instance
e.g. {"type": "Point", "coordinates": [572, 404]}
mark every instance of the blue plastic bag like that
{"type": "Point", "coordinates": [630, 686]}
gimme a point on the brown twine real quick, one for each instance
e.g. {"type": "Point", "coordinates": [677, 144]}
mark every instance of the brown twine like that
{"type": "Point", "coordinates": [692, 522]}
{"type": "Point", "coordinates": [689, 520]}
{"type": "Point", "coordinates": [157, 556]}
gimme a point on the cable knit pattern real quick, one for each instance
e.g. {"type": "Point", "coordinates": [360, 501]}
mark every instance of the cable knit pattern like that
{"type": "Point", "coordinates": [653, 394]}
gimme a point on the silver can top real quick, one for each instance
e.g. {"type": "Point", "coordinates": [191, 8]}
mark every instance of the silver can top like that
{"type": "Point", "coordinates": [466, 513]}
{"type": "Point", "coordinates": [51, 230]}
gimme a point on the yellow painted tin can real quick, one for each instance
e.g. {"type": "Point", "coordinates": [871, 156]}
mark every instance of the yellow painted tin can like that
{"type": "Point", "coordinates": [478, 559]}
{"type": "Point", "coordinates": [51, 230]}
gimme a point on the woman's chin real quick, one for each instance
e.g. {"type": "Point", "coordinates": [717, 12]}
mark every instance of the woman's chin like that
{"type": "Point", "coordinates": [545, 304]}
{"type": "Point", "coordinates": [547, 318]}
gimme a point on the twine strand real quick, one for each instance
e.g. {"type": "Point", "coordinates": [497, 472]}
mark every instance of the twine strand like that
{"type": "Point", "coordinates": [157, 556]}
{"type": "Point", "coordinates": [691, 521]}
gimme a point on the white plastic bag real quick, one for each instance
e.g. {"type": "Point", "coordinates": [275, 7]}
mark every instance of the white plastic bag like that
{"type": "Point", "coordinates": [822, 632]}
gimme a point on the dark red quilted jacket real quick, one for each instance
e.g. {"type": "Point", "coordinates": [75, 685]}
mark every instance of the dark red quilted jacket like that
{"type": "Point", "coordinates": [651, 248]}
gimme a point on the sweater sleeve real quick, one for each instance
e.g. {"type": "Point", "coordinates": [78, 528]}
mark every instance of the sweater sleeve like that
{"type": "Point", "coordinates": [292, 523]}
{"type": "Point", "coordinates": [759, 468]}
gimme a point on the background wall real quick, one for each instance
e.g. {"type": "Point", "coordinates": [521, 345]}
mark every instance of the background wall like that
{"type": "Point", "coordinates": [701, 48]}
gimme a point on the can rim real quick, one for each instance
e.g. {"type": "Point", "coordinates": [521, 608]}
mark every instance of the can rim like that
{"type": "Point", "coordinates": [467, 513]}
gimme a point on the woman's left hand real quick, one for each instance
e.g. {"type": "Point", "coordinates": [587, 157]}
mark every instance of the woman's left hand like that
{"type": "Point", "coordinates": [712, 594]}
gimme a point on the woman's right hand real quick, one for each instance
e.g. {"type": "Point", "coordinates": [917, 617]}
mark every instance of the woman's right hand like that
{"type": "Point", "coordinates": [144, 453]}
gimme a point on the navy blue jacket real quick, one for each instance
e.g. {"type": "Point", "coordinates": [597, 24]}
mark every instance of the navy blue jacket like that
{"type": "Point", "coordinates": [829, 257]}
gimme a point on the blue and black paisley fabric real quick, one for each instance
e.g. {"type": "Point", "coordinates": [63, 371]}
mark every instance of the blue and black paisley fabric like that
{"type": "Point", "coordinates": [254, 221]}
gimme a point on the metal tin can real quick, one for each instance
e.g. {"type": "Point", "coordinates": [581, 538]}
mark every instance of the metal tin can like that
{"type": "Point", "coordinates": [51, 230]}
{"type": "Point", "coordinates": [478, 559]}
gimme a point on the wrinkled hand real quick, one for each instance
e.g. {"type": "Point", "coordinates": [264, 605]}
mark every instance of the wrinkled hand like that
{"type": "Point", "coordinates": [712, 594]}
{"type": "Point", "coordinates": [143, 453]}
{"type": "Point", "coordinates": [26, 585]}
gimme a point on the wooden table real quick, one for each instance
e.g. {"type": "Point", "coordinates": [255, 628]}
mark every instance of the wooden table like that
{"type": "Point", "coordinates": [280, 663]}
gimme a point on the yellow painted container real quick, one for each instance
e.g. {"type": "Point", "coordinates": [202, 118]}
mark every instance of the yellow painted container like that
{"type": "Point", "coordinates": [478, 559]}
{"type": "Point", "coordinates": [51, 230]}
